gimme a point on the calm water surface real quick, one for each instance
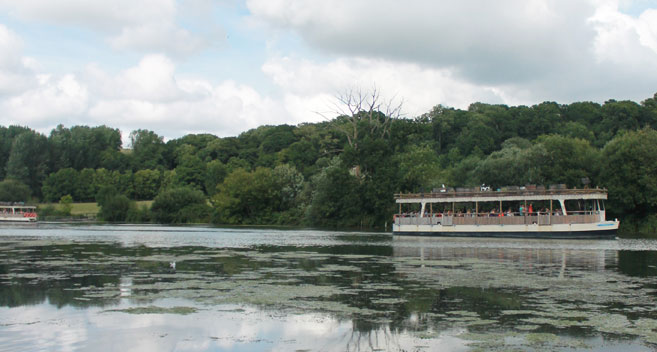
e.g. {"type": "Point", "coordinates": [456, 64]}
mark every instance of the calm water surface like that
{"type": "Point", "coordinates": [109, 288]}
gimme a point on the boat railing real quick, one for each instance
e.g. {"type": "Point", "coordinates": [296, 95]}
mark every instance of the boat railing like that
{"type": "Point", "coordinates": [17, 212]}
{"type": "Point", "coordinates": [584, 217]}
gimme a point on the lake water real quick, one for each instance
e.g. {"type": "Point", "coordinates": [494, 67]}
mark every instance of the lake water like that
{"type": "Point", "coordinates": [109, 288]}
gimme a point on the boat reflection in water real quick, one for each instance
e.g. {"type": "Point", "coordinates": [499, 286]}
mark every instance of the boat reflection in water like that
{"type": "Point", "coordinates": [576, 254]}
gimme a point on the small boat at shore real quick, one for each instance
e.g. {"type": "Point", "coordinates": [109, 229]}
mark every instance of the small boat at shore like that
{"type": "Point", "coordinates": [532, 212]}
{"type": "Point", "coordinates": [17, 213]}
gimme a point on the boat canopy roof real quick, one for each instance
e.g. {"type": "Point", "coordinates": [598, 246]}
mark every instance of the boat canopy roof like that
{"type": "Point", "coordinates": [17, 206]}
{"type": "Point", "coordinates": [496, 196]}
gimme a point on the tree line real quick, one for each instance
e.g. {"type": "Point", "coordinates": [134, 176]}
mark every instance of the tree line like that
{"type": "Point", "coordinates": [342, 172]}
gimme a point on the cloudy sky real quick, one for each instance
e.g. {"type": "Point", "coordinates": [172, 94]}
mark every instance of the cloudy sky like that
{"type": "Point", "coordinates": [223, 67]}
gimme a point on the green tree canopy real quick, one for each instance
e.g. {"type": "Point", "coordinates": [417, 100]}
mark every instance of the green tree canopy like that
{"type": "Point", "coordinates": [14, 191]}
{"type": "Point", "coordinates": [147, 183]}
{"type": "Point", "coordinates": [60, 183]}
{"type": "Point", "coordinates": [147, 149]}
{"type": "Point", "coordinates": [28, 160]}
{"type": "Point", "coordinates": [336, 198]}
{"type": "Point", "coordinates": [115, 208]}
{"type": "Point", "coordinates": [179, 206]}
{"type": "Point", "coordinates": [629, 166]}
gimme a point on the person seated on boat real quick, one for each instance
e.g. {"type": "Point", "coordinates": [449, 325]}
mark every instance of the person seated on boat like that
{"type": "Point", "coordinates": [492, 213]}
{"type": "Point", "coordinates": [509, 212]}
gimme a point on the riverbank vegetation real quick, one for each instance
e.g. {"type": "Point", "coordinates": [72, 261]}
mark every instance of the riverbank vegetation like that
{"type": "Point", "coordinates": [342, 172]}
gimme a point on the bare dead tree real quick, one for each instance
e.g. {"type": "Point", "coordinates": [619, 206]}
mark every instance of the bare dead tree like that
{"type": "Point", "coordinates": [356, 106]}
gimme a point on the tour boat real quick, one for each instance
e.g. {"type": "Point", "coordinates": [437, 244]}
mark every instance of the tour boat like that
{"type": "Point", "coordinates": [528, 212]}
{"type": "Point", "coordinates": [19, 213]}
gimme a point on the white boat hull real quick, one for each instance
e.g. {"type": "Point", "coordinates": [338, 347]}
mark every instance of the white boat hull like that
{"type": "Point", "coordinates": [605, 229]}
{"type": "Point", "coordinates": [17, 218]}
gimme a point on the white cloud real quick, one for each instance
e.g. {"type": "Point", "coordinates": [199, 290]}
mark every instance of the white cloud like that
{"type": "Point", "coordinates": [149, 95]}
{"type": "Point", "coordinates": [488, 42]}
{"type": "Point", "coordinates": [53, 98]}
{"type": "Point", "coordinates": [29, 98]}
{"type": "Point", "coordinates": [153, 79]}
{"type": "Point", "coordinates": [139, 25]}
{"type": "Point", "coordinates": [104, 15]}
{"type": "Point", "coordinates": [622, 39]}
{"type": "Point", "coordinates": [11, 46]}
{"type": "Point", "coordinates": [647, 29]}
{"type": "Point", "coordinates": [15, 71]}
{"type": "Point", "coordinates": [512, 51]}
{"type": "Point", "coordinates": [158, 37]}
{"type": "Point", "coordinates": [311, 87]}
{"type": "Point", "coordinates": [224, 109]}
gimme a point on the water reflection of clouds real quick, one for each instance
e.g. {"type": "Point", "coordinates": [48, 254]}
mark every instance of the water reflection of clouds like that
{"type": "Point", "coordinates": [45, 327]}
{"type": "Point", "coordinates": [42, 327]}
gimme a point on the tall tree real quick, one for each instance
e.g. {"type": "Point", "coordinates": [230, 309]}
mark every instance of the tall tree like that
{"type": "Point", "coordinates": [84, 147]}
{"type": "Point", "coordinates": [7, 135]}
{"type": "Point", "coordinates": [336, 199]}
{"type": "Point", "coordinates": [628, 170]}
{"type": "Point", "coordinates": [147, 149]}
{"type": "Point", "coordinates": [28, 160]}
{"type": "Point", "coordinates": [364, 115]}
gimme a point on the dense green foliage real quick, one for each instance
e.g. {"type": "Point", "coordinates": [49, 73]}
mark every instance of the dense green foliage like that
{"type": "Point", "coordinates": [66, 204]}
{"type": "Point", "coordinates": [342, 172]}
{"type": "Point", "coordinates": [265, 195]}
{"type": "Point", "coordinates": [115, 208]}
{"type": "Point", "coordinates": [629, 171]}
{"type": "Point", "coordinates": [180, 205]}
{"type": "Point", "coordinates": [14, 191]}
